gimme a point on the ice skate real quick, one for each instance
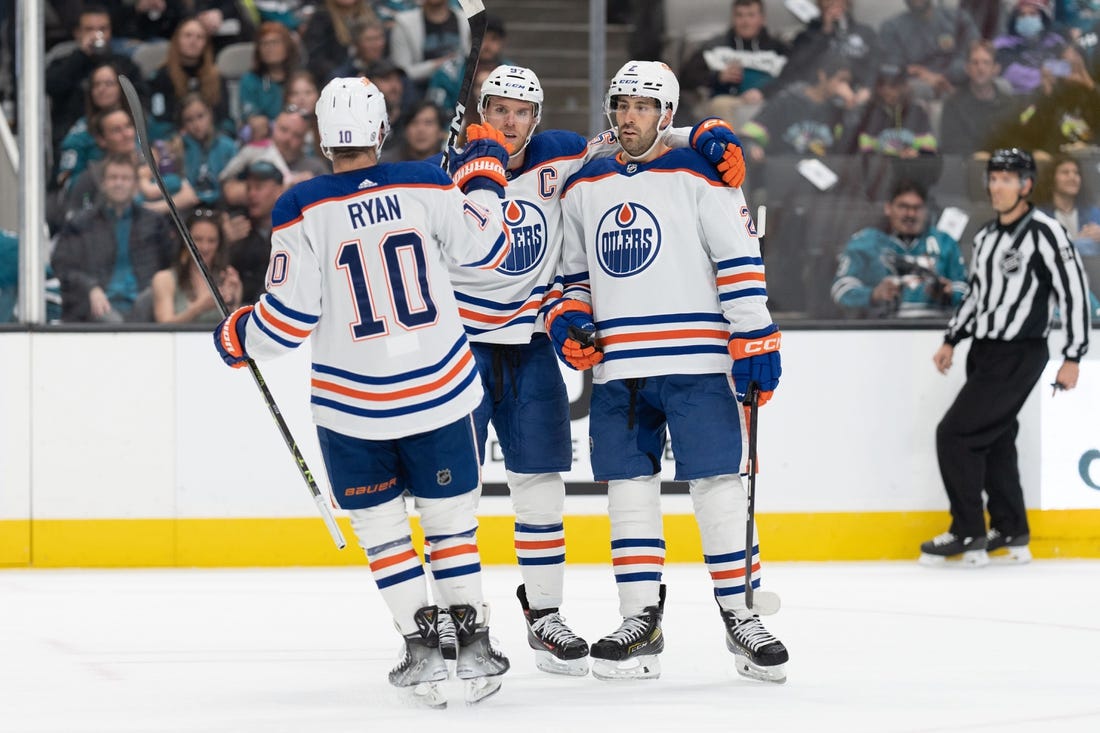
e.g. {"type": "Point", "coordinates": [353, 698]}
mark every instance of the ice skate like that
{"type": "Point", "coordinates": [630, 652]}
{"type": "Point", "coordinates": [448, 642]}
{"type": "Point", "coordinates": [1007, 549]}
{"type": "Point", "coordinates": [557, 649]}
{"type": "Point", "coordinates": [948, 550]}
{"type": "Point", "coordinates": [478, 663]}
{"type": "Point", "coordinates": [422, 667]}
{"type": "Point", "coordinates": [759, 655]}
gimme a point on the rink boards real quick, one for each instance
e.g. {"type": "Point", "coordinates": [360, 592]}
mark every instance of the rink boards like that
{"type": "Point", "coordinates": [142, 449]}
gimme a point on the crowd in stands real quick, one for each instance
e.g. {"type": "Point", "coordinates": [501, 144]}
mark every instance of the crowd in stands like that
{"type": "Point", "coordinates": [837, 116]}
{"type": "Point", "coordinates": [228, 90]}
{"type": "Point", "coordinates": [841, 117]}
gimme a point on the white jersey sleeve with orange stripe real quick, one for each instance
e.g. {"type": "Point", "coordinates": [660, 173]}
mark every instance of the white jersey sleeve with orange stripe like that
{"type": "Point", "coordinates": [670, 261]}
{"type": "Point", "coordinates": [359, 261]}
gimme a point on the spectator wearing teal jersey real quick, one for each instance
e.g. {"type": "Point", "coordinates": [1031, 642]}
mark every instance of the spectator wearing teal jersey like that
{"type": "Point", "coordinates": [206, 151]}
{"type": "Point", "coordinates": [289, 13]}
{"type": "Point", "coordinates": [445, 84]}
{"type": "Point", "coordinates": [79, 146]}
{"type": "Point", "coordinates": [262, 90]}
{"type": "Point", "coordinates": [9, 273]}
{"type": "Point", "coordinates": [908, 269]}
{"type": "Point", "coordinates": [9, 281]}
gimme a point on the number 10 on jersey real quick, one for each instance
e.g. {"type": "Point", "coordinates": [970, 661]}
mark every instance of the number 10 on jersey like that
{"type": "Point", "coordinates": [404, 278]}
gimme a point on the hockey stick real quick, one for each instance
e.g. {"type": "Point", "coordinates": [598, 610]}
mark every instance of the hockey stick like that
{"type": "Point", "coordinates": [143, 138]}
{"type": "Point", "coordinates": [763, 602]}
{"type": "Point", "coordinates": [475, 14]}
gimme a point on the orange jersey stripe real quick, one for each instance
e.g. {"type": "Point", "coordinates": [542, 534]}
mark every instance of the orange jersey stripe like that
{"type": "Point", "coordinates": [738, 573]}
{"type": "Point", "coordinates": [386, 562]}
{"type": "Point", "coordinates": [740, 278]}
{"type": "Point", "coordinates": [638, 560]}
{"type": "Point", "coordinates": [483, 318]}
{"type": "Point", "coordinates": [686, 333]}
{"type": "Point", "coordinates": [539, 544]}
{"type": "Point", "coordinates": [453, 551]}
{"type": "Point", "coordinates": [399, 394]}
{"type": "Point", "coordinates": [282, 325]}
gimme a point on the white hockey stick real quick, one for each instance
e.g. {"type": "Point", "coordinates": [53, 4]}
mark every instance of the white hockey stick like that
{"type": "Point", "coordinates": [143, 137]}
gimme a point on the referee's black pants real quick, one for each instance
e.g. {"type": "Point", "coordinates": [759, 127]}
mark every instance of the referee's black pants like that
{"type": "Point", "coordinates": [976, 440]}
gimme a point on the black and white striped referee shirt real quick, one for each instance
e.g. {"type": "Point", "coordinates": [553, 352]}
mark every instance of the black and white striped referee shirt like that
{"type": "Point", "coordinates": [1018, 275]}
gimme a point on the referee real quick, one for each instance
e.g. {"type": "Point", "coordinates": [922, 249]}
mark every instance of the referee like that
{"type": "Point", "coordinates": [1023, 267]}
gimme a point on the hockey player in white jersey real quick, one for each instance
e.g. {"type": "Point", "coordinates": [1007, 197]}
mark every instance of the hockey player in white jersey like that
{"type": "Point", "coordinates": [664, 283]}
{"type": "Point", "coordinates": [503, 310]}
{"type": "Point", "coordinates": [358, 262]}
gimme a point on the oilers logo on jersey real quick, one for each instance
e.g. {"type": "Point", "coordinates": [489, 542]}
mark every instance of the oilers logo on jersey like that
{"type": "Point", "coordinates": [527, 223]}
{"type": "Point", "coordinates": [628, 238]}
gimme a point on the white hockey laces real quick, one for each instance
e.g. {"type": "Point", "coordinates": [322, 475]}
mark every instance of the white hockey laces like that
{"type": "Point", "coordinates": [944, 539]}
{"type": "Point", "coordinates": [552, 628]}
{"type": "Point", "coordinates": [753, 633]}
{"type": "Point", "coordinates": [633, 628]}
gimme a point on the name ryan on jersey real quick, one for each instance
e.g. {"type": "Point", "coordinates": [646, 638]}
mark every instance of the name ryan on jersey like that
{"type": "Point", "coordinates": [373, 210]}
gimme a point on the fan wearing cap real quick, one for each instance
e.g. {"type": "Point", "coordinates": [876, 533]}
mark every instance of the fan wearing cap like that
{"type": "Point", "coordinates": [249, 231]}
{"type": "Point", "coordinates": [1024, 267]}
{"type": "Point", "coordinates": [894, 123]}
{"type": "Point", "coordinates": [357, 262]}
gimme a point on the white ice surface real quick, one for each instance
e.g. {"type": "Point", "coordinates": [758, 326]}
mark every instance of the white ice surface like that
{"type": "Point", "coordinates": [876, 647]}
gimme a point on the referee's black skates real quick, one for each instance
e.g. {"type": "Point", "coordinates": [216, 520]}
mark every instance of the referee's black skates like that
{"type": "Point", "coordinates": [951, 550]}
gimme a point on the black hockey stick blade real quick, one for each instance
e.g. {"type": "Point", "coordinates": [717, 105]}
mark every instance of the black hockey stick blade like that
{"type": "Point", "coordinates": [763, 602]}
{"type": "Point", "coordinates": [322, 501]}
{"type": "Point", "coordinates": [475, 14]}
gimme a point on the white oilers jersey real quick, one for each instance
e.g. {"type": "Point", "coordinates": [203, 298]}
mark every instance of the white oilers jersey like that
{"type": "Point", "coordinates": [359, 260]}
{"type": "Point", "coordinates": [670, 261]}
{"type": "Point", "coordinates": [506, 305]}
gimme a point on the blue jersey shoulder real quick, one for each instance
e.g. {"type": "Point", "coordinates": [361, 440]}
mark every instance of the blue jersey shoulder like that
{"type": "Point", "coordinates": [552, 144]}
{"type": "Point", "coordinates": [338, 185]}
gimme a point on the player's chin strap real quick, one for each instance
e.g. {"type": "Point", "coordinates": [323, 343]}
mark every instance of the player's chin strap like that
{"type": "Point", "coordinates": [661, 135]}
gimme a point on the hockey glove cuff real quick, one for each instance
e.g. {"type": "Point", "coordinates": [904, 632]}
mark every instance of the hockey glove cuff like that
{"type": "Point", "coordinates": [570, 326]}
{"type": "Point", "coordinates": [480, 164]}
{"type": "Point", "coordinates": [756, 359]}
{"type": "Point", "coordinates": [715, 140]}
{"type": "Point", "coordinates": [229, 337]}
